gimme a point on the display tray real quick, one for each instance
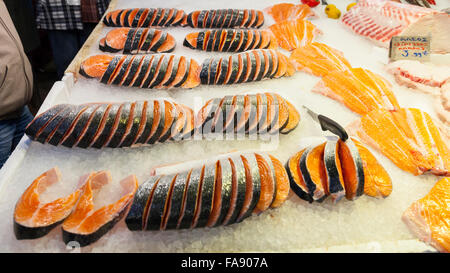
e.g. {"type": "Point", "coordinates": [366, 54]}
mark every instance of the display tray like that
{"type": "Point", "coordinates": [364, 225]}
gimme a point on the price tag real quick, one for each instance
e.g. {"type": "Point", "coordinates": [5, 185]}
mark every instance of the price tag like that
{"type": "Point", "coordinates": [410, 48]}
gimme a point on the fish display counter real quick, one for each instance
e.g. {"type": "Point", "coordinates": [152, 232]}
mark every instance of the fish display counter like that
{"type": "Point", "coordinates": [268, 126]}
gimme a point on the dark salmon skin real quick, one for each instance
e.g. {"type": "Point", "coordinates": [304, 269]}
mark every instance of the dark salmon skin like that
{"type": "Point", "coordinates": [145, 17]}
{"type": "Point", "coordinates": [248, 66]}
{"type": "Point", "coordinates": [141, 71]}
{"type": "Point", "coordinates": [113, 125]}
{"type": "Point", "coordinates": [218, 191]}
{"type": "Point", "coordinates": [225, 18]}
{"type": "Point", "coordinates": [230, 39]}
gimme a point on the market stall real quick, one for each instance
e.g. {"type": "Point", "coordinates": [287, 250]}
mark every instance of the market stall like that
{"type": "Point", "coordinates": [366, 224]}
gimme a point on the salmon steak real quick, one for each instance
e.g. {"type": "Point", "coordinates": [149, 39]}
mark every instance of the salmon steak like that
{"type": "Point", "coordinates": [337, 169]}
{"type": "Point", "coordinates": [255, 114]}
{"type": "Point", "coordinates": [359, 89]}
{"type": "Point", "coordinates": [34, 218]}
{"type": "Point", "coordinates": [288, 11]}
{"type": "Point", "coordinates": [415, 143]}
{"type": "Point", "coordinates": [292, 34]}
{"type": "Point", "coordinates": [377, 182]}
{"type": "Point", "coordinates": [221, 191]}
{"type": "Point", "coordinates": [158, 71]}
{"type": "Point", "coordinates": [428, 217]}
{"type": "Point", "coordinates": [99, 125]}
{"type": "Point", "coordinates": [86, 224]}
{"type": "Point", "coordinates": [248, 66]}
{"type": "Point", "coordinates": [144, 17]}
{"type": "Point", "coordinates": [224, 18]}
{"type": "Point", "coordinates": [137, 41]}
{"type": "Point", "coordinates": [379, 21]}
{"type": "Point", "coordinates": [230, 40]}
{"type": "Point", "coordinates": [318, 59]}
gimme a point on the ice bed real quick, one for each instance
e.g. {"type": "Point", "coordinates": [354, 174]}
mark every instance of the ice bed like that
{"type": "Point", "coordinates": [364, 225]}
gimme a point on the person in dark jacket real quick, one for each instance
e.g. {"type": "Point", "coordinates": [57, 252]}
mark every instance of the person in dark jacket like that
{"type": "Point", "coordinates": [68, 23]}
{"type": "Point", "coordinates": [16, 86]}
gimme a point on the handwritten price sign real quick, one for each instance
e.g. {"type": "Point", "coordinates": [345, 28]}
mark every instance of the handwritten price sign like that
{"type": "Point", "coordinates": [410, 48]}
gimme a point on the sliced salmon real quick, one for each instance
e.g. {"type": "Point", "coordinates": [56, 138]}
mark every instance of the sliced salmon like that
{"type": "Point", "coordinates": [288, 11]}
{"type": "Point", "coordinates": [414, 144]}
{"type": "Point", "coordinates": [193, 78]}
{"type": "Point", "coordinates": [352, 169]}
{"type": "Point", "coordinates": [293, 120]}
{"type": "Point", "coordinates": [86, 225]}
{"type": "Point", "coordinates": [297, 183]}
{"type": "Point", "coordinates": [377, 182]}
{"type": "Point", "coordinates": [225, 18]}
{"type": "Point", "coordinates": [428, 217]}
{"type": "Point", "coordinates": [112, 125]}
{"type": "Point", "coordinates": [292, 34]}
{"type": "Point", "coordinates": [314, 173]}
{"type": "Point", "coordinates": [359, 89]}
{"type": "Point", "coordinates": [282, 183]}
{"type": "Point", "coordinates": [335, 178]}
{"type": "Point", "coordinates": [318, 59]}
{"type": "Point", "coordinates": [143, 71]}
{"type": "Point", "coordinates": [138, 40]}
{"type": "Point", "coordinates": [33, 218]}
{"type": "Point", "coordinates": [253, 186]}
{"type": "Point", "coordinates": [252, 65]}
{"type": "Point", "coordinates": [95, 66]}
{"type": "Point", "coordinates": [139, 17]}
{"type": "Point", "coordinates": [230, 40]}
{"type": "Point", "coordinates": [267, 185]}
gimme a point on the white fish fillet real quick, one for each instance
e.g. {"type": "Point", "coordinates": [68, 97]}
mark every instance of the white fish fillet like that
{"type": "Point", "coordinates": [426, 77]}
{"type": "Point", "coordinates": [442, 107]}
{"type": "Point", "coordinates": [379, 20]}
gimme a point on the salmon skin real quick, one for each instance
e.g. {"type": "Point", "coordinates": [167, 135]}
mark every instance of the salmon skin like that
{"type": "Point", "coordinates": [137, 41]}
{"type": "Point", "coordinates": [216, 192]}
{"type": "Point", "coordinates": [359, 89]}
{"type": "Point", "coordinates": [225, 18]}
{"type": "Point", "coordinates": [253, 65]}
{"type": "Point", "coordinates": [86, 225]}
{"type": "Point", "coordinates": [254, 114]}
{"type": "Point", "coordinates": [292, 34]}
{"type": "Point", "coordinates": [230, 40]}
{"type": "Point", "coordinates": [427, 218]}
{"type": "Point", "coordinates": [159, 71]}
{"type": "Point", "coordinates": [144, 17]}
{"type": "Point", "coordinates": [288, 11]}
{"type": "Point", "coordinates": [33, 218]}
{"type": "Point", "coordinates": [415, 143]}
{"type": "Point", "coordinates": [337, 169]}
{"type": "Point", "coordinates": [99, 125]}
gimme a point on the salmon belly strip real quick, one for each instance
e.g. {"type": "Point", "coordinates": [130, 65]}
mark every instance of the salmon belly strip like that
{"type": "Point", "coordinates": [318, 59]}
{"type": "Point", "coordinates": [288, 11]}
{"type": "Point", "coordinates": [429, 217]}
{"type": "Point", "coordinates": [380, 20]}
{"type": "Point", "coordinates": [359, 89]}
{"type": "Point", "coordinates": [408, 137]}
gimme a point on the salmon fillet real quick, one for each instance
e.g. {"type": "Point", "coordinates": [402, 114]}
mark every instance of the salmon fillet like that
{"type": "Point", "coordinates": [359, 89]}
{"type": "Point", "coordinates": [292, 34]}
{"type": "Point", "coordinates": [429, 218]}
{"type": "Point", "coordinates": [288, 11]}
{"type": "Point", "coordinates": [318, 59]}
{"type": "Point", "coordinates": [408, 137]}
